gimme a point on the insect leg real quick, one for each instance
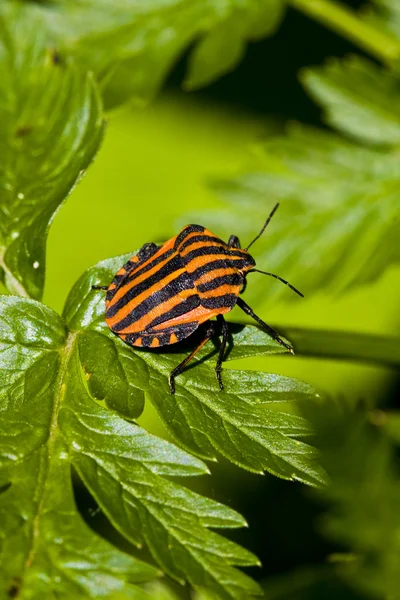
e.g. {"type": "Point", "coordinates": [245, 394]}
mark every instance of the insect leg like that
{"type": "Point", "coordinates": [246, 308]}
{"type": "Point", "coordinates": [225, 334]}
{"type": "Point", "coordinates": [100, 287]}
{"type": "Point", "coordinates": [207, 336]}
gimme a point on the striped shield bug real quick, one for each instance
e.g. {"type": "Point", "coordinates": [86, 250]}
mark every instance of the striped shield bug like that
{"type": "Point", "coordinates": [165, 293]}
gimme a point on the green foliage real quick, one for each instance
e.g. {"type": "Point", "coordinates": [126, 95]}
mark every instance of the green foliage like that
{"type": "Point", "coordinates": [130, 46]}
{"type": "Point", "coordinates": [122, 465]}
{"type": "Point", "coordinates": [50, 130]}
{"type": "Point", "coordinates": [61, 376]}
{"type": "Point", "coordinates": [385, 15]}
{"type": "Point", "coordinates": [71, 391]}
{"type": "Point", "coordinates": [46, 548]}
{"type": "Point", "coordinates": [337, 226]}
{"type": "Point", "coordinates": [360, 462]}
{"type": "Point", "coordinates": [240, 422]}
{"type": "Point", "coordinates": [360, 99]}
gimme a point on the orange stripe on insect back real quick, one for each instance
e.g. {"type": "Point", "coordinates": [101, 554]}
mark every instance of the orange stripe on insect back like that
{"type": "Point", "coordinates": [221, 291]}
{"type": "Point", "coordinates": [190, 235]}
{"type": "Point", "coordinates": [206, 277]}
{"type": "Point", "coordinates": [157, 311]}
{"type": "Point", "coordinates": [122, 291]}
{"type": "Point", "coordinates": [200, 314]}
{"type": "Point", "coordinates": [122, 271]}
{"type": "Point", "coordinates": [128, 308]}
{"type": "Point", "coordinates": [200, 261]}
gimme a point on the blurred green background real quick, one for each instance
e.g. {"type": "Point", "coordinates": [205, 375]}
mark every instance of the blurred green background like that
{"type": "Point", "coordinates": [152, 169]}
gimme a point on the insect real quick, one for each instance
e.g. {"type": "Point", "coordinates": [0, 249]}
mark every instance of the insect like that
{"type": "Point", "coordinates": [165, 293]}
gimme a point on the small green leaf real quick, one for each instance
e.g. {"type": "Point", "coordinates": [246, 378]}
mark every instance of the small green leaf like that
{"type": "Point", "coordinates": [222, 48]}
{"type": "Point", "coordinates": [360, 99]}
{"type": "Point", "coordinates": [310, 241]}
{"type": "Point", "coordinates": [110, 377]}
{"type": "Point", "coordinates": [82, 307]}
{"type": "Point", "coordinates": [251, 341]}
{"type": "Point", "coordinates": [50, 130]}
{"type": "Point", "coordinates": [30, 338]}
{"type": "Point", "coordinates": [237, 423]}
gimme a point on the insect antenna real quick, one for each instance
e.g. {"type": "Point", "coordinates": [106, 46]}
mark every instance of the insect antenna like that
{"type": "Point", "coordinates": [280, 279]}
{"type": "Point", "coordinates": [273, 211]}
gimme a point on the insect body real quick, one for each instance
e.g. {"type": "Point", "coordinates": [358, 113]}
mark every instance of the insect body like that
{"type": "Point", "coordinates": [165, 293]}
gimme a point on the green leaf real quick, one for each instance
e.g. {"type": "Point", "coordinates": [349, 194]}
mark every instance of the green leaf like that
{"type": "Point", "coordinates": [223, 47]}
{"type": "Point", "coordinates": [362, 498]}
{"type": "Point", "coordinates": [50, 130]}
{"type": "Point", "coordinates": [50, 421]}
{"type": "Point", "coordinates": [360, 99]}
{"type": "Point", "coordinates": [251, 341]}
{"type": "Point", "coordinates": [45, 546]}
{"type": "Point", "coordinates": [384, 15]}
{"type": "Point", "coordinates": [361, 28]}
{"type": "Point", "coordinates": [240, 423]}
{"type": "Point", "coordinates": [111, 375]}
{"type": "Point", "coordinates": [337, 223]}
{"type": "Point", "coordinates": [131, 45]}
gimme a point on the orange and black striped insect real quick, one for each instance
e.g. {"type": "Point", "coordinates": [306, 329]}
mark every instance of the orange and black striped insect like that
{"type": "Point", "coordinates": [165, 293]}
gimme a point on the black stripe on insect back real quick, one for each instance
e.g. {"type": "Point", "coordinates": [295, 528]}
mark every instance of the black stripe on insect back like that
{"type": "Point", "coordinates": [180, 309]}
{"type": "Point", "coordinates": [172, 265]}
{"type": "Point", "coordinates": [153, 263]}
{"type": "Point", "coordinates": [182, 282]}
{"type": "Point", "coordinates": [232, 279]}
{"type": "Point", "coordinates": [164, 336]}
{"type": "Point", "coordinates": [185, 232]}
{"type": "Point", "coordinates": [218, 264]}
{"type": "Point", "coordinates": [209, 251]}
{"type": "Point", "coordinates": [199, 238]}
{"type": "Point", "coordinates": [147, 340]}
{"type": "Point", "coordinates": [225, 301]}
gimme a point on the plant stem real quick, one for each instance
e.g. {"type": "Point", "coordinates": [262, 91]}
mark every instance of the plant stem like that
{"type": "Point", "coordinates": [344, 21]}
{"type": "Point", "coordinates": [342, 345]}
